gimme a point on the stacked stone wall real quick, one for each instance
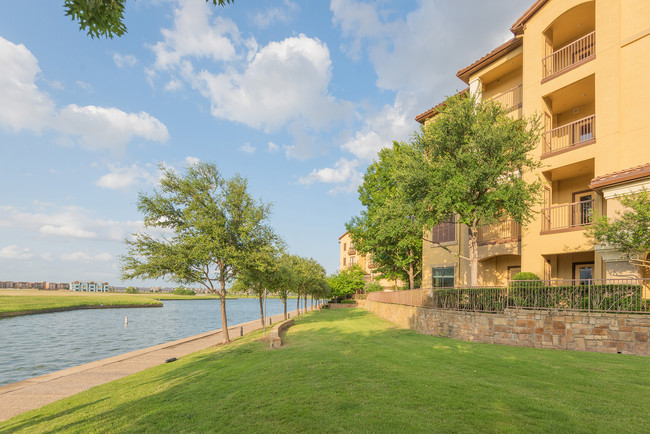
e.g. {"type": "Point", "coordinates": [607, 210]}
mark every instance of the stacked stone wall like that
{"type": "Point", "coordinates": [580, 331]}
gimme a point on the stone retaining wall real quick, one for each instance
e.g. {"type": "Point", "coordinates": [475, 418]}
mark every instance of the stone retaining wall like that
{"type": "Point", "coordinates": [342, 305]}
{"type": "Point", "coordinates": [275, 337]}
{"type": "Point", "coordinates": [580, 331]}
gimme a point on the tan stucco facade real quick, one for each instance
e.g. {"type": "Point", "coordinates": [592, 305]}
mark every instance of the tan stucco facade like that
{"type": "Point", "coordinates": [580, 66]}
{"type": "Point", "coordinates": [348, 256]}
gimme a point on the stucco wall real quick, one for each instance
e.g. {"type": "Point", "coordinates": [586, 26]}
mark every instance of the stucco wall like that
{"type": "Point", "coordinates": [580, 331]}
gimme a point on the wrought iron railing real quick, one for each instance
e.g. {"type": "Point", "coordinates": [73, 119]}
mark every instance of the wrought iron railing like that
{"type": "Point", "coordinates": [566, 216]}
{"type": "Point", "coordinates": [572, 134]}
{"type": "Point", "coordinates": [590, 295]}
{"type": "Point", "coordinates": [560, 60]}
{"type": "Point", "coordinates": [510, 99]}
{"type": "Point", "coordinates": [501, 232]}
{"type": "Point", "coordinates": [352, 251]}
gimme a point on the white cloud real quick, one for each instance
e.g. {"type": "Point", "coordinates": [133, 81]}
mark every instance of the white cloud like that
{"type": "Point", "coordinates": [14, 252]}
{"type": "Point", "coordinates": [125, 177]}
{"type": "Point", "coordinates": [273, 147]}
{"type": "Point", "coordinates": [277, 14]}
{"type": "Point", "coordinates": [106, 128]}
{"type": "Point", "coordinates": [71, 222]}
{"type": "Point", "coordinates": [122, 60]}
{"type": "Point", "coordinates": [192, 160]}
{"type": "Point", "coordinates": [173, 85]}
{"type": "Point", "coordinates": [47, 257]}
{"type": "Point", "coordinates": [193, 35]}
{"type": "Point", "coordinates": [344, 171]}
{"type": "Point", "coordinates": [247, 148]}
{"type": "Point", "coordinates": [84, 256]}
{"type": "Point", "coordinates": [85, 86]}
{"type": "Point", "coordinates": [25, 106]}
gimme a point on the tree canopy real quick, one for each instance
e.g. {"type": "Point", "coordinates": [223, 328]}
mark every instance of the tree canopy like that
{"type": "Point", "coordinates": [105, 17]}
{"type": "Point", "coordinates": [389, 228]}
{"type": "Point", "coordinates": [203, 229]}
{"type": "Point", "coordinates": [629, 232]}
{"type": "Point", "coordinates": [347, 282]}
{"type": "Point", "coordinates": [471, 163]}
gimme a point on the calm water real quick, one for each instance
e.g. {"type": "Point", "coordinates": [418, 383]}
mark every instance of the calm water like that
{"type": "Point", "coordinates": [35, 345]}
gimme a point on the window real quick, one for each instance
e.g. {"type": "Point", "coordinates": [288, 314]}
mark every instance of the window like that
{"type": "Point", "coordinates": [443, 277]}
{"type": "Point", "coordinates": [345, 246]}
{"type": "Point", "coordinates": [344, 262]}
{"type": "Point", "coordinates": [583, 273]}
{"type": "Point", "coordinates": [444, 232]}
{"type": "Point", "coordinates": [352, 260]}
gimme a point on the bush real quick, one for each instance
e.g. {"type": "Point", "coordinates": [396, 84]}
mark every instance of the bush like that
{"type": "Point", "coordinates": [131, 290]}
{"type": "Point", "coordinates": [372, 287]}
{"type": "Point", "coordinates": [182, 291]}
{"type": "Point", "coordinates": [348, 301]}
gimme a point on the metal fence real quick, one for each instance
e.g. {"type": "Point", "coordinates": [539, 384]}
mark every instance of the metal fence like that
{"type": "Point", "coordinates": [592, 295]}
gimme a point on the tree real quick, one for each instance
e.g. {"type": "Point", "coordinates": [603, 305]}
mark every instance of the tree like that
{"type": "Point", "coordinates": [282, 280]}
{"type": "Point", "coordinates": [105, 17]}
{"type": "Point", "coordinates": [210, 226]}
{"type": "Point", "coordinates": [629, 232]}
{"type": "Point", "coordinates": [347, 282]}
{"type": "Point", "coordinates": [472, 162]}
{"type": "Point", "coordinates": [388, 228]}
{"type": "Point", "coordinates": [308, 273]}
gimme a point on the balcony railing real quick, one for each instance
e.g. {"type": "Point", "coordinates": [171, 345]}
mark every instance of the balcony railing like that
{"type": "Point", "coordinates": [510, 99]}
{"type": "Point", "coordinates": [501, 232]}
{"type": "Point", "coordinates": [572, 134]}
{"type": "Point", "coordinates": [571, 215]}
{"type": "Point", "coordinates": [352, 251]}
{"type": "Point", "coordinates": [578, 51]}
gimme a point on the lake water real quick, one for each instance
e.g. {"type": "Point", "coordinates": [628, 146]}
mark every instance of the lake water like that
{"type": "Point", "coordinates": [35, 345]}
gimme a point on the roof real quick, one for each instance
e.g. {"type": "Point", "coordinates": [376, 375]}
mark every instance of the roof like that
{"type": "Point", "coordinates": [346, 232]}
{"type": "Point", "coordinates": [620, 177]}
{"type": "Point", "coordinates": [432, 111]}
{"type": "Point", "coordinates": [493, 55]}
{"type": "Point", "coordinates": [518, 27]}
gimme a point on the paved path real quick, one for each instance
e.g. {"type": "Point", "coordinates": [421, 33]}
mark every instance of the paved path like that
{"type": "Point", "coordinates": [29, 394]}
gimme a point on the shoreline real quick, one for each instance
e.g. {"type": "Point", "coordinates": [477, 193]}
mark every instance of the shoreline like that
{"type": "Point", "coordinates": [68, 308]}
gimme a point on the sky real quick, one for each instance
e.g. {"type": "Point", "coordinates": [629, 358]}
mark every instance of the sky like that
{"type": "Point", "coordinates": [296, 96]}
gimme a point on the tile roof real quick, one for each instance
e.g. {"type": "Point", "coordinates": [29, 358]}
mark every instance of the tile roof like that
{"type": "Point", "coordinates": [518, 27]}
{"type": "Point", "coordinates": [432, 111]}
{"type": "Point", "coordinates": [620, 177]}
{"type": "Point", "coordinates": [493, 55]}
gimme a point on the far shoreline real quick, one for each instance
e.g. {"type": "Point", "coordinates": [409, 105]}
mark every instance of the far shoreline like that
{"type": "Point", "coordinates": [68, 308]}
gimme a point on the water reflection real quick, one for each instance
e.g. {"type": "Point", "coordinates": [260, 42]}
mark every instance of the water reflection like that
{"type": "Point", "coordinates": [38, 344]}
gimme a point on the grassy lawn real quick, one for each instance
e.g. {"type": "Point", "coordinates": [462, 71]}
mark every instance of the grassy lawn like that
{"type": "Point", "coordinates": [26, 300]}
{"type": "Point", "coordinates": [347, 370]}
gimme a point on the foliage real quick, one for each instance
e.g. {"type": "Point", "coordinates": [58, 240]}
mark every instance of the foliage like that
{"type": "Point", "coordinates": [372, 286]}
{"type": "Point", "coordinates": [626, 298]}
{"type": "Point", "coordinates": [210, 228]}
{"type": "Point", "coordinates": [348, 301]}
{"type": "Point", "coordinates": [131, 290]}
{"type": "Point", "coordinates": [553, 391]}
{"type": "Point", "coordinates": [388, 228]}
{"type": "Point", "coordinates": [525, 275]}
{"type": "Point", "coordinates": [472, 299]}
{"type": "Point", "coordinates": [183, 291]}
{"type": "Point", "coordinates": [472, 163]}
{"type": "Point", "coordinates": [104, 17]}
{"type": "Point", "coordinates": [629, 232]}
{"type": "Point", "coordinates": [37, 301]}
{"type": "Point", "coordinates": [347, 282]}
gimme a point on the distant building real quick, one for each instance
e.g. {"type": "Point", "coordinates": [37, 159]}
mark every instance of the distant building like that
{"type": "Point", "coordinates": [89, 286]}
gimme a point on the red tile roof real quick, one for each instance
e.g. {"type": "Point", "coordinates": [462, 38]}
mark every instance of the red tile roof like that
{"type": "Point", "coordinates": [432, 111]}
{"type": "Point", "coordinates": [493, 55]}
{"type": "Point", "coordinates": [518, 27]}
{"type": "Point", "coordinates": [620, 177]}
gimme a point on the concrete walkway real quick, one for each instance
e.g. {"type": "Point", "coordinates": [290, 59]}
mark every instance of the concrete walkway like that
{"type": "Point", "coordinates": [36, 392]}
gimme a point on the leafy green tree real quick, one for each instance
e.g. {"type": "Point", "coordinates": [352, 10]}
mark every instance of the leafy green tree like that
{"type": "Point", "coordinates": [210, 225]}
{"type": "Point", "coordinates": [472, 162]}
{"type": "Point", "coordinates": [372, 287]}
{"type": "Point", "coordinates": [131, 290]}
{"type": "Point", "coordinates": [629, 232]}
{"type": "Point", "coordinates": [282, 280]}
{"type": "Point", "coordinates": [388, 228]}
{"type": "Point", "coordinates": [104, 17]}
{"type": "Point", "coordinates": [347, 282]}
{"type": "Point", "coordinates": [308, 273]}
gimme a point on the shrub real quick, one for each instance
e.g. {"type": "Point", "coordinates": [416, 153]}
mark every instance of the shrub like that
{"type": "Point", "coordinates": [348, 301]}
{"type": "Point", "coordinates": [372, 287]}
{"type": "Point", "coordinates": [131, 290]}
{"type": "Point", "coordinates": [183, 291]}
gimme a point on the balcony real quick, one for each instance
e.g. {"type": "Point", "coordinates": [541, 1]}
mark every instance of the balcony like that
{"type": "Point", "coordinates": [570, 56]}
{"type": "Point", "coordinates": [568, 216]}
{"type": "Point", "coordinates": [510, 99]}
{"type": "Point", "coordinates": [580, 132]}
{"type": "Point", "coordinates": [502, 232]}
{"type": "Point", "coordinates": [352, 251]}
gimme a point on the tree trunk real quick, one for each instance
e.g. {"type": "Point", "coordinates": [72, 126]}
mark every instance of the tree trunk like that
{"type": "Point", "coordinates": [261, 310]}
{"type": "Point", "coordinates": [473, 253]}
{"type": "Point", "coordinates": [298, 304]}
{"type": "Point", "coordinates": [411, 274]}
{"type": "Point", "coordinates": [224, 320]}
{"type": "Point", "coordinates": [284, 303]}
{"type": "Point", "coordinates": [305, 303]}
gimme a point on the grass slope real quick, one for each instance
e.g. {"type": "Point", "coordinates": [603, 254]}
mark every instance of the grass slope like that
{"type": "Point", "coordinates": [24, 300]}
{"type": "Point", "coordinates": [347, 370]}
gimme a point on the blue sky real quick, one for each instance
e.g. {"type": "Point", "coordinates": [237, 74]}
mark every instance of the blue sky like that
{"type": "Point", "coordinates": [296, 96]}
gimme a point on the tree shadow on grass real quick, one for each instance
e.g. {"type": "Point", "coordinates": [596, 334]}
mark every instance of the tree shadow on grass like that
{"type": "Point", "coordinates": [44, 419]}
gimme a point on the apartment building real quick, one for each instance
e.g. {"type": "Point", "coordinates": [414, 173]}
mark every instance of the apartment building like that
{"type": "Point", "coordinates": [348, 256]}
{"type": "Point", "coordinates": [89, 286]}
{"type": "Point", "coordinates": [580, 66]}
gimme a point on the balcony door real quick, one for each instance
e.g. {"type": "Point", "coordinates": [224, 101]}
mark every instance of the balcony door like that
{"type": "Point", "coordinates": [583, 273]}
{"type": "Point", "coordinates": [583, 212]}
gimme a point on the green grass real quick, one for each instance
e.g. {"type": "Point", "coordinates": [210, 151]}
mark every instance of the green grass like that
{"type": "Point", "coordinates": [25, 300]}
{"type": "Point", "coordinates": [347, 370]}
